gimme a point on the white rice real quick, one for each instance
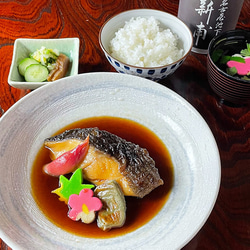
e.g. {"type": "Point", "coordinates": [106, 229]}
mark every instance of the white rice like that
{"type": "Point", "coordinates": [141, 42]}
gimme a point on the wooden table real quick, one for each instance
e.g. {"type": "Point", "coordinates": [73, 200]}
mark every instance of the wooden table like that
{"type": "Point", "coordinates": [228, 226]}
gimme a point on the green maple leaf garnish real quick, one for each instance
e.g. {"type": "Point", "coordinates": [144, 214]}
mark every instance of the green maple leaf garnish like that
{"type": "Point", "coordinates": [246, 52]}
{"type": "Point", "coordinates": [71, 186]}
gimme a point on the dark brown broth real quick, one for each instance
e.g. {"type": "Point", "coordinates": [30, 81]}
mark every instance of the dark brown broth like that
{"type": "Point", "coordinates": [139, 211]}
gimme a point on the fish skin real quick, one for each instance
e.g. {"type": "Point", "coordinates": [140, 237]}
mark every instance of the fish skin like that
{"type": "Point", "coordinates": [135, 163]}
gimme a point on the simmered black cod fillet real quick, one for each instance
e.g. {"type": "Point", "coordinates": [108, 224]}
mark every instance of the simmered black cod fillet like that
{"type": "Point", "coordinates": [110, 158]}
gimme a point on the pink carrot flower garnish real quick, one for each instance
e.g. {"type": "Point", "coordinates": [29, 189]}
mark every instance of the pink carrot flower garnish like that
{"type": "Point", "coordinates": [242, 68]}
{"type": "Point", "coordinates": [84, 206]}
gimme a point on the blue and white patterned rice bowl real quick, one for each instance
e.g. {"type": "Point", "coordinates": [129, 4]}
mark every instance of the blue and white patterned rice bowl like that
{"type": "Point", "coordinates": [107, 32]}
{"type": "Point", "coordinates": [155, 74]}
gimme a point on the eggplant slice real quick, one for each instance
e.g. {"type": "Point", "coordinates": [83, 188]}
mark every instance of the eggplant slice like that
{"type": "Point", "coordinates": [113, 212]}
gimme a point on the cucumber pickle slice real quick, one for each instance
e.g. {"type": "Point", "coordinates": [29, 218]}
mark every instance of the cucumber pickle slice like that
{"type": "Point", "coordinates": [26, 62]}
{"type": "Point", "coordinates": [36, 73]}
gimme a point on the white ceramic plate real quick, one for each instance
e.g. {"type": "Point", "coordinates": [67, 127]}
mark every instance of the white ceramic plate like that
{"type": "Point", "coordinates": [44, 111]}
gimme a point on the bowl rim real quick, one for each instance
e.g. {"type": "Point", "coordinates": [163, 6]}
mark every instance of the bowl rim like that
{"type": "Point", "coordinates": [226, 36]}
{"type": "Point", "coordinates": [139, 67]}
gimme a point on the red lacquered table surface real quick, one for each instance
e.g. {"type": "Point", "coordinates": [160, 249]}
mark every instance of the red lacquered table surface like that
{"type": "Point", "coordinates": [228, 226]}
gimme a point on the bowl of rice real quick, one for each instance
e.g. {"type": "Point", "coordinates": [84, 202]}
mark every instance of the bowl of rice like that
{"type": "Point", "coordinates": [145, 42]}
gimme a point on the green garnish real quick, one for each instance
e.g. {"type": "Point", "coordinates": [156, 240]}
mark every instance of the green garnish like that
{"type": "Point", "coordinates": [237, 59]}
{"type": "Point", "coordinates": [245, 78]}
{"type": "Point", "coordinates": [246, 52]}
{"type": "Point", "coordinates": [217, 55]}
{"type": "Point", "coordinates": [71, 186]}
{"type": "Point", "coordinates": [225, 59]}
{"type": "Point", "coordinates": [231, 71]}
{"type": "Point", "coordinates": [50, 60]}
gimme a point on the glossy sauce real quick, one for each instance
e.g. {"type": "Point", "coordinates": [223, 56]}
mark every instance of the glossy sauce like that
{"type": "Point", "coordinates": [139, 211]}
